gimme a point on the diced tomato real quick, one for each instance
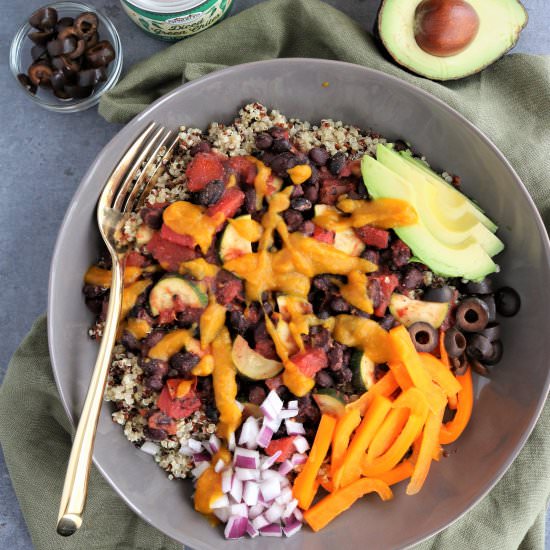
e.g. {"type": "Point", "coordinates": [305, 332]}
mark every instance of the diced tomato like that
{"type": "Point", "coordinates": [170, 235]}
{"type": "Point", "coordinates": [381, 287]}
{"type": "Point", "coordinates": [203, 168]}
{"type": "Point", "coordinates": [310, 361]}
{"type": "Point", "coordinates": [274, 383]}
{"type": "Point", "coordinates": [285, 445]}
{"type": "Point", "coordinates": [401, 253]}
{"type": "Point", "coordinates": [135, 259]}
{"type": "Point", "coordinates": [178, 408]}
{"type": "Point", "coordinates": [372, 236]}
{"type": "Point", "coordinates": [244, 169]}
{"type": "Point", "coordinates": [168, 253]}
{"type": "Point", "coordinates": [232, 199]}
{"type": "Point", "coordinates": [323, 235]}
{"type": "Point", "coordinates": [227, 287]}
{"type": "Point", "coordinates": [159, 421]}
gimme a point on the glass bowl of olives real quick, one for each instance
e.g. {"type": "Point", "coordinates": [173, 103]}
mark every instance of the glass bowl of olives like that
{"type": "Point", "coordinates": [65, 56]}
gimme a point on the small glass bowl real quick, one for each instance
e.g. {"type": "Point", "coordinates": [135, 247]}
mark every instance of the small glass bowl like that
{"type": "Point", "coordinates": [21, 60]}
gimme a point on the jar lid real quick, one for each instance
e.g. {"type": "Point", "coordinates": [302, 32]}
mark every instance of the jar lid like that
{"type": "Point", "coordinates": [165, 6]}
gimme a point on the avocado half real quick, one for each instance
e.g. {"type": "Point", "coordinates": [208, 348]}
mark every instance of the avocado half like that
{"type": "Point", "coordinates": [500, 23]}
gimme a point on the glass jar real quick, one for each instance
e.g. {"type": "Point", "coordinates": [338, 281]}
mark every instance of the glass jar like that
{"type": "Point", "coordinates": [175, 19]}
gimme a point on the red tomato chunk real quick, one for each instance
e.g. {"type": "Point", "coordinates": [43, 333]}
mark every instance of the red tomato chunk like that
{"type": "Point", "coordinates": [204, 168]}
{"type": "Point", "coordinates": [372, 236]}
{"type": "Point", "coordinates": [178, 408]}
{"type": "Point", "coordinates": [310, 361]}
{"type": "Point", "coordinates": [171, 254]}
{"type": "Point", "coordinates": [232, 199]}
{"type": "Point", "coordinates": [323, 235]}
{"type": "Point", "coordinates": [285, 445]}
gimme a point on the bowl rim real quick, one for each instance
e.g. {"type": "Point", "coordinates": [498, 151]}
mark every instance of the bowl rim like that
{"type": "Point", "coordinates": [72, 105]}
{"type": "Point", "coordinates": [459, 118]}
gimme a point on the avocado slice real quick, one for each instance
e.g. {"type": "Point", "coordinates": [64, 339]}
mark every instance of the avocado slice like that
{"type": "Point", "coordinates": [442, 204]}
{"type": "Point", "coordinates": [465, 258]}
{"type": "Point", "coordinates": [500, 23]}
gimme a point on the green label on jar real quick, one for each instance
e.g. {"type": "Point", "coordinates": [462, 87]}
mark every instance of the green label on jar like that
{"type": "Point", "coordinates": [174, 26]}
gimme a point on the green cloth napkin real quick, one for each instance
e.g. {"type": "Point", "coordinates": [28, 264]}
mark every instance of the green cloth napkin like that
{"type": "Point", "coordinates": [510, 102]}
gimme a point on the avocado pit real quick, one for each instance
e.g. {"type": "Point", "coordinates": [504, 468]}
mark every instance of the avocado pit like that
{"type": "Point", "coordinates": [445, 27]}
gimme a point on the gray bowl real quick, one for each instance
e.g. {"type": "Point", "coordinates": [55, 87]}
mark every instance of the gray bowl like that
{"type": "Point", "coordinates": [506, 407]}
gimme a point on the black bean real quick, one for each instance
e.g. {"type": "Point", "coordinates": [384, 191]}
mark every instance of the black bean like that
{"type": "Point", "coordinates": [400, 145]}
{"type": "Point", "coordinates": [93, 291]}
{"type": "Point", "coordinates": [307, 228]}
{"type": "Point", "coordinates": [336, 357]}
{"type": "Point", "coordinates": [293, 219]}
{"type": "Point", "coordinates": [507, 301]}
{"type": "Point", "coordinates": [189, 316]}
{"type": "Point", "coordinates": [183, 362]}
{"type": "Point", "coordinates": [211, 193]}
{"type": "Point", "coordinates": [277, 132]}
{"type": "Point", "coordinates": [401, 253]}
{"type": "Point", "coordinates": [238, 322]}
{"type": "Point", "coordinates": [152, 217]}
{"type": "Point", "coordinates": [281, 145]}
{"type": "Point", "coordinates": [339, 305]}
{"type": "Point", "coordinates": [256, 395]}
{"type": "Point", "coordinates": [297, 191]}
{"type": "Point", "coordinates": [337, 163]}
{"type": "Point", "coordinates": [153, 367]}
{"type": "Point", "coordinates": [282, 162]}
{"type": "Point", "coordinates": [371, 255]}
{"type": "Point", "coordinates": [130, 342]}
{"type": "Point", "coordinates": [263, 141]}
{"type": "Point", "coordinates": [154, 383]}
{"type": "Point", "coordinates": [311, 191]}
{"type": "Point", "coordinates": [412, 278]}
{"type": "Point", "coordinates": [156, 434]}
{"type": "Point", "coordinates": [343, 376]}
{"type": "Point", "coordinates": [319, 155]}
{"type": "Point", "coordinates": [322, 282]}
{"type": "Point", "coordinates": [151, 339]}
{"type": "Point", "coordinates": [323, 379]}
{"type": "Point", "coordinates": [387, 321]}
{"type": "Point", "coordinates": [250, 199]}
{"type": "Point", "coordinates": [301, 204]}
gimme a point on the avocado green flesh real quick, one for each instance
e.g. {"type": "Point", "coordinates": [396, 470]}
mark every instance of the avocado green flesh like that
{"type": "Point", "coordinates": [438, 205]}
{"type": "Point", "coordinates": [500, 22]}
{"type": "Point", "coordinates": [463, 259]}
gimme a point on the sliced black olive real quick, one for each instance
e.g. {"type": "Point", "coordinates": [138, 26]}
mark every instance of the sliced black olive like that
{"type": "Point", "coordinates": [62, 94]}
{"type": "Point", "coordinates": [424, 336]}
{"type": "Point", "coordinates": [86, 24]}
{"type": "Point", "coordinates": [481, 287]}
{"type": "Point", "coordinates": [507, 301]}
{"type": "Point", "coordinates": [479, 347]}
{"type": "Point", "coordinates": [455, 342]}
{"type": "Point", "coordinates": [101, 54]}
{"type": "Point", "coordinates": [44, 18]}
{"type": "Point", "coordinates": [480, 368]}
{"type": "Point", "coordinates": [40, 37]}
{"type": "Point", "coordinates": [58, 81]}
{"type": "Point", "coordinates": [79, 50]}
{"type": "Point", "coordinates": [438, 294]}
{"type": "Point", "coordinates": [90, 77]}
{"type": "Point", "coordinates": [472, 315]}
{"type": "Point", "coordinates": [68, 66]}
{"type": "Point", "coordinates": [40, 74]}
{"type": "Point", "coordinates": [92, 40]}
{"type": "Point", "coordinates": [78, 92]}
{"type": "Point", "coordinates": [38, 51]}
{"type": "Point", "coordinates": [25, 81]}
{"type": "Point", "coordinates": [496, 355]}
{"type": "Point", "coordinates": [63, 23]}
{"type": "Point", "coordinates": [67, 32]}
{"type": "Point", "coordinates": [460, 365]}
{"type": "Point", "coordinates": [61, 46]}
{"type": "Point", "coordinates": [337, 163]}
{"type": "Point", "coordinates": [489, 299]}
{"type": "Point", "coordinates": [491, 331]}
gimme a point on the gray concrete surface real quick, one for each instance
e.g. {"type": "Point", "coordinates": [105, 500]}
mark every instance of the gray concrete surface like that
{"type": "Point", "coordinates": [44, 155]}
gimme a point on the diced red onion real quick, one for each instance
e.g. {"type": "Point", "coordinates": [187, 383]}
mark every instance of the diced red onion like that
{"type": "Point", "coordinates": [292, 405]}
{"type": "Point", "coordinates": [194, 445]}
{"type": "Point", "coordinates": [250, 493]}
{"type": "Point", "coordinates": [285, 497]}
{"type": "Point", "coordinates": [240, 406]}
{"type": "Point", "coordinates": [245, 474]}
{"type": "Point", "coordinates": [272, 405]}
{"type": "Point", "coordinates": [235, 528]}
{"type": "Point", "coordinates": [289, 509]}
{"type": "Point", "coordinates": [220, 465]}
{"type": "Point", "coordinates": [264, 436]}
{"type": "Point", "coordinates": [220, 502]}
{"type": "Point", "coordinates": [199, 469]}
{"type": "Point", "coordinates": [268, 461]}
{"type": "Point", "coordinates": [201, 457]}
{"type": "Point", "coordinates": [272, 474]}
{"type": "Point", "coordinates": [294, 428]}
{"type": "Point", "coordinates": [186, 450]}
{"type": "Point", "coordinates": [298, 458]}
{"type": "Point", "coordinates": [272, 530]}
{"type": "Point", "coordinates": [292, 528]}
{"type": "Point", "coordinates": [270, 488]}
{"type": "Point", "coordinates": [236, 489]}
{"type": "Point", "coordinates": [285, 468]}
{"type": "Point", "coordinates": [259, 521]}
{"type": "Point", "coordinates": [231, 442]}
{"type": "Point", "coordinates": [251, 531]}
{"type": "Point", "coordinates": [301, 444]}
{"type": "Point", "coordinates": [272, 423]}
{"type": "Point", "coordinates": [214, 444]}
{"type": "Point", "coordinates": [246, 458]}
{"type": "Point", "coordinates": [227, 480]}
{"type": "Point", "coordinates": [221, 513]}
{"type": "Point", "coordinates": [257, 509]}
{"type": "Point", "coordinates": [239, 510]}
{"type": "Point", "coordinates": [249, 433]}
{"type": "Point", "coordinates": [298, 514]}
{"type": "Point", "coordinates": [289, 413]}
{"type": "Point", "coordinates": [150, 448]}
{"type": "Point", "coordinates": [274, 513]}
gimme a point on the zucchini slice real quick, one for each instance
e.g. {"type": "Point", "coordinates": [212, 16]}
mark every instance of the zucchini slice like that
{"type": "Point", "coordinates": [251, 364]}
{"type": "Point", "coordinates": [232, 245]}
{"type": "Point", "coordinates": [173, 290]}
{"type": "Point", "coordinates": [408, 311]}
{"type": "Point", "coordinates": [363, 368]}
{"type": "Point", "coordinates": [330, 402]}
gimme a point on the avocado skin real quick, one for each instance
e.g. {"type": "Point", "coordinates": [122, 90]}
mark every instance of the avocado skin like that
{"type": "Point", "coordinates": [392, 56]}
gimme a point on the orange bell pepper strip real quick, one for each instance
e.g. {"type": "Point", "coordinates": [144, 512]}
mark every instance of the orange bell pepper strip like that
{"type": "Point", "coordinates": [385, 387]}
{"type": "Point", "coordinates": [428, 445]}
{"type": "Point", "coordinates": [401, 374]}
{"type": "Point", "coordinates": [451, 431]}
{"type": "Point", "coordinates": [436, 455]}
{"type": "Point", "coordinates": [306, 482]}
{"type": "Point", "coordinates": [405, 352]}
{"type": "Point", "coordinates": [401, 472]}
{"type": "Point", "coordinates": [339, 501]}
{"type": "Point", "coordinates": [442, 376]}
{"type": "Point", "coordinates": [388, 432]}
{"type": "Point", "coordinates": [350, 470]}
{"type": "Point", "coordinates": [416, 401]}
{"type": "Point", "coordinates": [443, 350]}
{"type": "Point", "coordinates": [340, 441]}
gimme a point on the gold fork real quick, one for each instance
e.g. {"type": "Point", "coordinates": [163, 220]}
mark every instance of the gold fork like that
{"type": "Point", "coordinates": [125, 191]}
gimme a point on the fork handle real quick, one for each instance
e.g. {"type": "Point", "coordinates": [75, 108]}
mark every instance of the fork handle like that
{"type": "Point", "coordinates": [75, 488]}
